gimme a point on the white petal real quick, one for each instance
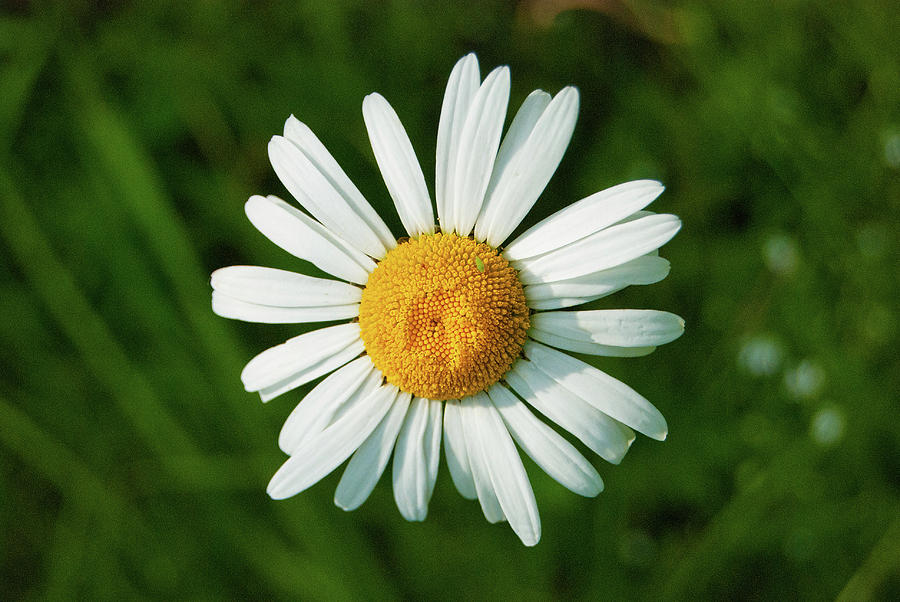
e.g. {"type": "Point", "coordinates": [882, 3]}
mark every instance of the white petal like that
{"type": "Point", "coordinates": [583, 218]}
{"type": "Point", "coordinates": [583, 346]}
{"type": "Point", "coordinates": [455, 451]}
{"type": "Point", "coordinates": [297, 354]}
{"type": "Point", "coordinates": [602, 391]}
{"type": "Point", "coordinates": [303, 137]}
{"type": "Point", "coordinates": [433, 442]}
{"type": "Point", "coordinates": [513, 191]}
{"type": "Point", "coordinates": [519, 130]}
{"type": "Point", "coordinates": [636, 215]}
{"type": "Point", "coordinates": [507, 473]}
{"type": "Point", "coordinates": [549, 450]}
{"type": "Point", "coordinates": [313, 372]}
{"type": "Point", "coordinates": [280, 288]}
{"type": "Point", "coordinates": [369, 461]}
{"type": "Point", "coordinates": [318, 195]}
{"type": "Point", "coordinates": [481, 475]}
{"type": "Point", "coordinates": [616, 327]}
{"type": "Point", "coordinates": [461, 88]}
{"type": "Point", "coordinates": [303, 237]}
{"type": "Point", "coordinates": [415, 458]}
{"type": "Point", "coordinates": [560, 302]}
{"type": "Point", "coordinates": [472, 164]}
{"type": "Point", "coordinates": [317, 410]}
{"type": "Point", "coordinates": [229, 307]}
{"type": "Point", "coordinates": [603, 435]}
{"type": "Point", "coordinates": [399, 166]}
{"type": "Point", "coordinates": [372, 382]}
{"type": "Point", "coordinates": [646, 269]}
{"type": "Point", "coordinates": [324, 452]}
{"type": "Point", "coordinates": [605, 249]}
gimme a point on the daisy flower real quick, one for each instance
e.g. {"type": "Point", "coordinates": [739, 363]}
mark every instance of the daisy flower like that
{"type": "Point", "coordinates": [446, 334]}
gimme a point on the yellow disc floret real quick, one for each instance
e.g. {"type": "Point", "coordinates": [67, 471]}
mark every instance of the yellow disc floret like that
{"type": "Point", "coordinates": [443, 316]}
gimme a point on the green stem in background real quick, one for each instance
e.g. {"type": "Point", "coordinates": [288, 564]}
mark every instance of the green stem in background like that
{"type": "Point", "coordinates": [882, 563]}
{"type": "Point", "coordinates": [85, 328]}
{"type": "Point", "coordinates": [129, 170]}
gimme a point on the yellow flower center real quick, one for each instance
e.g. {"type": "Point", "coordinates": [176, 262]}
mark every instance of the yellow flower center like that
{"type": "Point", "coordinates": [443, 316]}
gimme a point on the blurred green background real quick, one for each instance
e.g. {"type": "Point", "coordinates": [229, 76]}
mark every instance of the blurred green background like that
{"type": "Point", "coordinates": [132, 463]}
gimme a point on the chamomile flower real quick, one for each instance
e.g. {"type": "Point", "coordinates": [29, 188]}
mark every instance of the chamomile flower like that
{"type": "Point", "coordinates": [446, 334]}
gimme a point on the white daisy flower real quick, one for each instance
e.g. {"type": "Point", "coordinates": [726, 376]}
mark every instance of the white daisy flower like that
{"type": "Point", "coordinates": [448, 334]}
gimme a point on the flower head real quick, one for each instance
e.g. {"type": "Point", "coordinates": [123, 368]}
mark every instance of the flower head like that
{"type": "Point", "coordinates": [447, 334]}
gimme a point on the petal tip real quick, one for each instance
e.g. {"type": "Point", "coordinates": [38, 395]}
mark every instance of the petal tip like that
{"type": "Point", "coordinates": [276, 490]}
{"type": "Point", "coordinates": [343, 506]}
{"type": "Point", "coordinates": [245, 379]}
{"type": "Point", "coordinates": [290, 122]}
{"type": "Point", "coordinates": [615, 458]}
{"type": "Point", "coordinates": [414, 515]}
{"type": "Point", "coordinates": [254, 199]}
{"type": "Point", "coordinates": [573, 92]}
{"type": "Point", "coordinates": [275, 142]}
{"type": "Point", "coordinates": [215, 279]}
{"type": "Point", "coordinates": [372, 97]}
{"type": "Point", "coordinates": [530, 539]}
